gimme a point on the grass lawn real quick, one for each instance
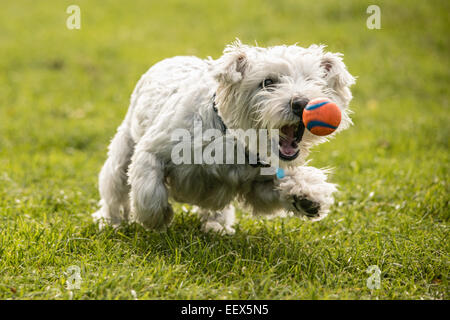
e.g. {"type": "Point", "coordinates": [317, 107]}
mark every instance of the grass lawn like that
{"type": "Point", "coordinates": [64, 92]}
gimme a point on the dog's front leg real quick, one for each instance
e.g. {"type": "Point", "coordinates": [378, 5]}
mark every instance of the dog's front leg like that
{"type": "Point", "coordinates": [219, 221]}
{"type": "Point", "coordinates": [149, 196]}
{"type": "Point", "coordinates": [305, 191]}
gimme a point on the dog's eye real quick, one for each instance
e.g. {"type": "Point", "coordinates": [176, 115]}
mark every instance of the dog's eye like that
{"type": "Point", "coordinates": [267, 83]}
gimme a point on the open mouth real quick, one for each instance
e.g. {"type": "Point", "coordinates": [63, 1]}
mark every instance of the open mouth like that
{"type": "Point", "coordinates": [290, 137]}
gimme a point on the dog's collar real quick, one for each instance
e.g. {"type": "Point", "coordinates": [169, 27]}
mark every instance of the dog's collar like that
{"type": "Point", "coordinates": [224, 128]}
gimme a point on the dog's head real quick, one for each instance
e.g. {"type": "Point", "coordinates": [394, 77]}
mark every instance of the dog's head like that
{"type": "Point", "coordinates": [268, 88]}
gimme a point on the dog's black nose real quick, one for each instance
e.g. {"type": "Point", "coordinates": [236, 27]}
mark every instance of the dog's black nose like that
{"type": "Point", "coordinates": [298, 105]}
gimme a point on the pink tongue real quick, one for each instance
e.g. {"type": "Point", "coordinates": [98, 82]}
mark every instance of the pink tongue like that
{"type": "Point", "coordinates": [287, 140]}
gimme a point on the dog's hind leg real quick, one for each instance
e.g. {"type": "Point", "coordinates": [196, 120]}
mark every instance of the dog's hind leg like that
{"type": "Point", "coordinates": [149, 195]}
{"type": "Point", "coordinates": [113, 185]}
{"type": "Point", "coordinates": [218, 221]}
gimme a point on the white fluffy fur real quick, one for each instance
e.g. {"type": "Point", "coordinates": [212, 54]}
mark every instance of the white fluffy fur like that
{"type": "Point", "coordinates": [138, 178]}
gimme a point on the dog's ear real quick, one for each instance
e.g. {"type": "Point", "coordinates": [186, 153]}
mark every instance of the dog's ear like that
{"type": "Point", "coordinates": [230, 68]}
{"type": "Point", "coordinates": [336, 74]}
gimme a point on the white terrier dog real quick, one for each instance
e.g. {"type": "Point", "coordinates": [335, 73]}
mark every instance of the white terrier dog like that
{"type": "Point", "coordinates": [247, 88]}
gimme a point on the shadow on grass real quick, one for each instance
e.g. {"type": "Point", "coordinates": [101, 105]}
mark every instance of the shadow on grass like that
{"type": "Point", "coordinates": [261, 247]}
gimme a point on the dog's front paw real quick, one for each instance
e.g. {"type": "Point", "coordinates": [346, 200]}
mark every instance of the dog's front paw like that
{"type": "Point", "coordinates": [216, 227]}
{"type": "Point", "coordinates": [305, 191]}
{"type": "Point", "coordinates": [220, 222]}
{"type": "Point", "coordinates": [310, 208]}
{"type": "Point", "coordinates": [307, 205]}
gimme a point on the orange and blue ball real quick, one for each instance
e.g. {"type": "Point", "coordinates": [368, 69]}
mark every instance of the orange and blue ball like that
{"type": "Point", "coordinates": [321, 116]}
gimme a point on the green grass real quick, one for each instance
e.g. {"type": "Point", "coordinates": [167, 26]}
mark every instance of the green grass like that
{"type": "Point", "coordinates": [63, 93]}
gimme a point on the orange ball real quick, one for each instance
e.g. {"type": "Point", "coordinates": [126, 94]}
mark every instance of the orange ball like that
{"type": "Point", "coordinates": [321, 116]}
